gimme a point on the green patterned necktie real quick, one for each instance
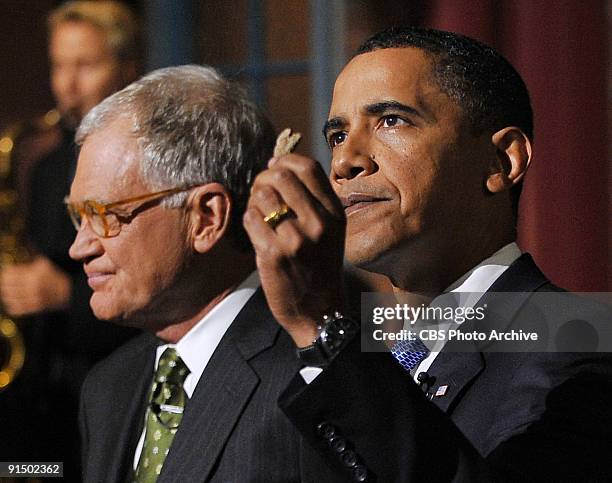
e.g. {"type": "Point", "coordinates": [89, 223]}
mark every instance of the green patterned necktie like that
{"type": "Point", "coordinates": [164, 415]}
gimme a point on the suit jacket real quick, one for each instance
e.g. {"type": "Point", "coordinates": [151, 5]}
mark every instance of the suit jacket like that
{"type": "Point", "coordinates": [501, 416]}
{"type": "Point", "coordinates": [232, 429]}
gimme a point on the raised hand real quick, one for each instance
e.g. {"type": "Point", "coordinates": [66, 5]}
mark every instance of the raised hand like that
{"type": "Point", "coordinates": [297, 226]}
{"type": "Point", "coordinates": [34, 287]}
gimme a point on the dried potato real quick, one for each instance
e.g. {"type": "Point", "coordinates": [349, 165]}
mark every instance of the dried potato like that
{"type": "Point", "coordinates": [286, 142]}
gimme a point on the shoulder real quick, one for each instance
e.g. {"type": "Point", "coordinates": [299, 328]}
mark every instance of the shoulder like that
{"type": "Point", "coordinates": [60, 157]}
{"type": "Point", "coordinates": [130, 357]}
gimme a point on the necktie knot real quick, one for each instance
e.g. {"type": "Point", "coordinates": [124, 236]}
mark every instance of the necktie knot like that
{"type": "Point", "coordinates": [171, 368]}
{"type": "Point", "coordinates": [410, 353]}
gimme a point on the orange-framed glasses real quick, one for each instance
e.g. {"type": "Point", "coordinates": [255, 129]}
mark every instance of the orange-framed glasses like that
{"type": "Point", "coordinates": [106, 219]}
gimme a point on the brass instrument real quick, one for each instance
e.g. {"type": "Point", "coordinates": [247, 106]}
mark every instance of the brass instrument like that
{"type": "Point", "coordinates": [12, 246]}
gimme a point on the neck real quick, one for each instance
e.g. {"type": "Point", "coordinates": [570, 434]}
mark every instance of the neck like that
{"type": "Point", "coordinates": [175, 332]}
{"type": "Point", "coordinates": [203, 290]}
{"type": "Point", "coordinates": [437, 273]}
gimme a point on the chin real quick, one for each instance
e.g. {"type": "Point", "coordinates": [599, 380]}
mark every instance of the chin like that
{"type": "Point", "coordinates": [105, 313]}
{"type": "Point", "coordinates": [364, 248]}
{"type": "Point", "coordinates": [365, 259]}
{"type": "Point", "coordinates": [380, 255]}
{"type": "Point", "coordinates": [104, 308]}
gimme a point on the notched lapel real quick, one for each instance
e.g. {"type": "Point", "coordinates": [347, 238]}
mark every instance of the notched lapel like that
{"type": "Point", "coordinates": [451, 374]}
{"type": "Point", "coordinates": [460, 363]}
{"type": "Point", "coordinates": [210, 416]}
{"type": "Point", "coordinates": [224, 390]}
{"type": "Point", "coordinates": [124, 426]}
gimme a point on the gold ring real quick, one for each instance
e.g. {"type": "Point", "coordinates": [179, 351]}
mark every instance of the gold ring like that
{"type": "Point", "coordinates": [274, 218]}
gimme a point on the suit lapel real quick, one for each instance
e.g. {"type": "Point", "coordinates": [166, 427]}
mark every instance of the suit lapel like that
{"type": "Point", "coordinates": [459, 363]}
{"type": "Point", "coordinates": [130, 392]}
{"type": "Point", "coordinates": [221, 395]}
{"type": "Point", "coordinates": [522, 276]}
{"type": "Point", "coordinates": [450, 373]}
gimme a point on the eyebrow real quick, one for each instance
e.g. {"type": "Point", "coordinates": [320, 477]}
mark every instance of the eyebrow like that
{"type": "Point", "coordinates": [372, 109]}
{"type": "Point", "coordinates": [384, 106]}
{"type": "Point", "coordinates": [333, 123]}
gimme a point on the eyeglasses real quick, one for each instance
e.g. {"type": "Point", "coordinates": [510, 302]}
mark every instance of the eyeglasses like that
{"type": "Point", "coordinates": [106, 219]}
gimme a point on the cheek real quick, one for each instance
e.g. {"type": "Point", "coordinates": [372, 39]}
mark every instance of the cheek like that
{"type": "Point", "coordinates": [414, 179]}
{"type": "Point", "coordinates": [100, 82]}
{"type": "Point", "coordinates": [148, 268]}
{"type": "Point", "coordinates": [151, 262]}
{"type": "Point", "coordinates": [147, 257]}
{"type": "Point", "coordinates": [140, 279]}
{"type": "Point", "coordinates": [59, 83]}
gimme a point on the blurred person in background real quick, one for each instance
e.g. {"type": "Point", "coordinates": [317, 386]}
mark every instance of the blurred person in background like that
{"type": "Point", "coordinates": [93, 52]}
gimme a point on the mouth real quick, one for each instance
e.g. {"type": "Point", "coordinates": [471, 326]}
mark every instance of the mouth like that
{"type": "Point", "coordinates": [358, 201]}
{"type": "Point", "coordinates": [96, 280]}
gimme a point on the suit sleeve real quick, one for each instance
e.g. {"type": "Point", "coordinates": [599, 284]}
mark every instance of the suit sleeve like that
{"type": "Point", "coordinates": [371, 423]}
{"type": "Point", "coordinates": [571, 438]}
{"type": "Point", "coordinates": [397, 435]}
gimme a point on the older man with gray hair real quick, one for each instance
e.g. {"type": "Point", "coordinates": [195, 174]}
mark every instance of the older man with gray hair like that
{"type": "Point", "coordinates": [162, 181]}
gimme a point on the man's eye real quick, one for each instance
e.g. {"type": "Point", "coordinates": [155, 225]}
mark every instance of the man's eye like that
{"type": "Point", "coordinates": [392, 121]}
{"type": "Point", "coordinates": [336, 138]}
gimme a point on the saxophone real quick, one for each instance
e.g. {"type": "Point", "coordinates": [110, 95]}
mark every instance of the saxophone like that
{"type": "Point", "coordinates": [12, 245]}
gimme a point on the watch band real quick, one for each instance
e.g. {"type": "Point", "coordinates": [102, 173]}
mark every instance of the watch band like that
{"type": "Point", "coordinates": [334, 333]}
{"type": "Point", "coordinates": [312, 356]}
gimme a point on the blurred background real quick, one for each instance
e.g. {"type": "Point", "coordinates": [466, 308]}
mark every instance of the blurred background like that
{"type": "Point", "coordinates": [289, 52]}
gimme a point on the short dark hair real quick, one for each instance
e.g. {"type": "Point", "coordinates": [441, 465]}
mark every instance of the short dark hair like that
{"type": "Point", "coordinates": [490, 91]}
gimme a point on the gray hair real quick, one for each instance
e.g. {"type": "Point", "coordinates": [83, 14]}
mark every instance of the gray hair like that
{"type": "Point", "coordinates": [193, 127]}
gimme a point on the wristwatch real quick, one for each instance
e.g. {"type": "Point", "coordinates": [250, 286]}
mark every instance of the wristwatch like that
{"type": "Point", "coordinates": [333, 334]}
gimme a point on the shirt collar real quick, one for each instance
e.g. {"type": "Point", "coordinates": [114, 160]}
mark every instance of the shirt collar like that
{"type": "Point", "coordinates": [198, 345]}
{"type": "Point", "coordinates": [480, 278]}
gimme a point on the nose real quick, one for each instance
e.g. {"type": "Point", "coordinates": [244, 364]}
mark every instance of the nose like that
{"type": "Point", "coordinates": [86, 244]}
{"type": "Point", "coordinates": [65, 83]}
{"type": "Point", "coordinates": [351, 159]}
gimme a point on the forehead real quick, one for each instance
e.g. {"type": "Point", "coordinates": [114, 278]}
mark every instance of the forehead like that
{"type": "Point", "coordinates": [77, 38]}
{"type": "Point", "coordinates": [402, 74]}
{"type": "Point", "coordinates": [107, 168]}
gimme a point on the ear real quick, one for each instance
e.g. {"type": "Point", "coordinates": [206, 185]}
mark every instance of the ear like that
{"type": "Point", "coordinates": [513, 155]}
{"type": "Point", "coordinates": [210, 208]}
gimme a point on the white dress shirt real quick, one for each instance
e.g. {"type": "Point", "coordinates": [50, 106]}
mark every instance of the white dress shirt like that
{"type": "Point", "coordinates": [474, 283]}
{"type": "Point", "coordinates": [197, 346]}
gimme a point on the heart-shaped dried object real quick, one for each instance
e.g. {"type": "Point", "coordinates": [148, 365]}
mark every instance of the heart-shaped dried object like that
{"type": "Point", "coordinates": [286, 142]}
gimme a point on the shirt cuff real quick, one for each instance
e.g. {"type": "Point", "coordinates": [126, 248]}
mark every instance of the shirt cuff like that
{"type": "Point", "coordinates": [310, 373]}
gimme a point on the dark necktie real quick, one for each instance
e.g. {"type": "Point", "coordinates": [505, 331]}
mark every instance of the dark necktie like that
{"type": "Point", "coordinates": [164, 415]}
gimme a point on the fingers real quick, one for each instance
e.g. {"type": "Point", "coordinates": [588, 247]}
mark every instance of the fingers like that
{"type": "Point", "coordinates": [17, 303]}
{"type": "Point", "coordinates": [302, 250]}
{"type": "Point", "coordinates": [305, 209]}
{"type": "Point", "coordinates": [34, 287]}
{"type": "Point", "coordinates": [16, 292]}
{"type": "Point", "coordinates": [301, 184]}
{"type": "Point", "coordinates": [313, 177]}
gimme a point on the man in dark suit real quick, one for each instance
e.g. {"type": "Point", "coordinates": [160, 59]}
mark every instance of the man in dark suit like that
{"type": "Point", "coordinates": [431, 135]}
{"type": "Point", "coordinates": [162, 180]}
